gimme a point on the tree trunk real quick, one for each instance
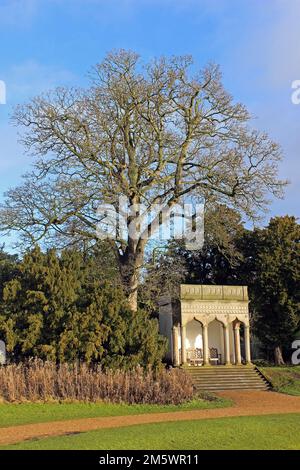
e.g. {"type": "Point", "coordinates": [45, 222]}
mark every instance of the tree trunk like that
{"type": "Point", "coordinates": [279, 361]}
{"type": "Point", "coordinates": [133, 292]}
{"type": "Point", "coordinates": [130, 266]}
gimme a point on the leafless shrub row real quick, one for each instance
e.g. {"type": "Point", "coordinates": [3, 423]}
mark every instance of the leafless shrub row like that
{"type": "Point", "coordinates": [36, 380]}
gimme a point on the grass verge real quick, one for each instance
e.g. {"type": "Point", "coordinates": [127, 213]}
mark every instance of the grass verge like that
{"type": "Point", "coordinates": [255, 432]}
{"type": "Point", "coordinates": [27, 413]}
{"type": "Point", "coordinates": [284, 379]}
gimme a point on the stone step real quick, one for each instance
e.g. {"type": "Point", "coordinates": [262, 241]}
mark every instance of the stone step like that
{"type": "Point", "coordinates": [220, 386]}
{"type": "Point", "coordinates": [220, 369]}
{"type": "Point", "coordinates": [222, 389]}
{"type": "Point", "coordinates": [226, 384]}
{"type": "Point", "coordinates": [250, 380]}
{"type": "Point", "coordinates": [205, 372]}
{"type": "Point", "coordinates": [222, 374]}
{"type": "Point", "coordinates": [233, 377]}
{"type": "Point", "coordinates": [227, 378]}
{"type": "Point", "coordinates": [235, 383]}
{"type": "Point", "coordinates": [231, 387]}
{"type": "Point", "coordinates": [234, 368]}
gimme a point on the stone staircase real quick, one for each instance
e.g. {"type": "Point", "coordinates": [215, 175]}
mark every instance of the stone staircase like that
{"type": "Point", "coordinates": [217, 378]}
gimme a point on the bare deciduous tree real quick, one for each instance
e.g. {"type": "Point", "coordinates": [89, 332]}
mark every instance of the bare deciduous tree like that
{"type": "Point", "coordinates": [153, 133]}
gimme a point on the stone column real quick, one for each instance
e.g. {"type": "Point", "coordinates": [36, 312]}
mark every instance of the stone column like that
{"type": "Point", "coordinates": [175, 346]}
{"type": "Point", "coordinates": [237, 344]}
{"type": "Point", "coordinates": [205, 344]}
{"type": "Point", "coordinates": [227, 344]}
{"type": "Point", "coordinates": [183, 350]}
{"type": "Point", "coordinates": [247, 344]}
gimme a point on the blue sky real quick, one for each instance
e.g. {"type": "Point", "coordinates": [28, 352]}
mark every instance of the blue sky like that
{"type": "Point", "coordinates": [45, 43]}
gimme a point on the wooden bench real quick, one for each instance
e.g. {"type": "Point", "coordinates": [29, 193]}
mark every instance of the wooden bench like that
{"type": "Point", "coordinates": [214, 356]}
{"type": "Point", "coordinates": [195, 356]}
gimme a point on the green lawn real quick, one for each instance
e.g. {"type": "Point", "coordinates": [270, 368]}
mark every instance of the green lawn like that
{"type": "Point", "coordinates": [255, 432]}
{"type": "Point", "coordinates": [26, 413]}
{"type": "Point", "coordinates": [284, 379]}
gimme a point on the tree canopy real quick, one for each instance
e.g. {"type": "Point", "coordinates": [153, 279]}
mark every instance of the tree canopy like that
{"type": "Point", "coordinates": [153, 133]}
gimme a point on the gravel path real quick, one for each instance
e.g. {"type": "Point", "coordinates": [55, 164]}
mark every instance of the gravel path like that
{"type": "Point", "coordinates": [246, 403]}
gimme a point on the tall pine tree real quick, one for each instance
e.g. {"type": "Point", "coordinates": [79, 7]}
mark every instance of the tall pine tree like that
{"type": "Point", "coordinates": [276, 284]}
